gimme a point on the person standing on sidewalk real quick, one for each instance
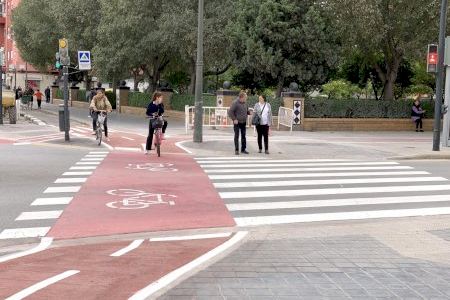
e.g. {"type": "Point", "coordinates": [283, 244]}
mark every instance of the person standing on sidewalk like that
{"type": "Point", "coordinates": [264, 112]}
{"type": "Point", "coordinates": [47, 94]}
{"type": "Point", "coordinates": [39, 95]}
{"type": "Point", "coordinates": [238, 113]}
{"type": "Point", "coordinates": [417, 114]}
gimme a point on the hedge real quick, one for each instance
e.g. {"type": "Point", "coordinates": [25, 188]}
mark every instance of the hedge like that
{"type": "Point", "coordinates": [137, 99]}
{"type": "Point", "coordinates": [354, 108]}
{"type": "Point", "coordinates": [112, 98]}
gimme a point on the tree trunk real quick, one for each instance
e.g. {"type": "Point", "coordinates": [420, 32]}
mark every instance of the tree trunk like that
{"type": "Point", "coordinates": [280, 86]}
{"type": "Point", "coordinates": [88, 82]}
{"type": "Point", "coordinates": [191, 89]}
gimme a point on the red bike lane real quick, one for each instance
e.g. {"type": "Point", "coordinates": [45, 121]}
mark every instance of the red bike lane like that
{"type": "Point", "coordinates": [132, 192]}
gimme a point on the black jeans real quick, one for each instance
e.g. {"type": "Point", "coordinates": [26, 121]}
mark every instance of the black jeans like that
{"type": "Point", "coordinates": [263, 131]}
{"type": "Point", "coordinates": [39, 103]}
{"type": "Point", "coordinates": [151, 131]}
{"type": "Point", "coordinates": [419, 123]}
{"type": "Point", "coordinates": [242, 127]}
{"type": "Point", "coordinates": [47, 99]}
{"type": "Point", "coordinates": [94, 123]}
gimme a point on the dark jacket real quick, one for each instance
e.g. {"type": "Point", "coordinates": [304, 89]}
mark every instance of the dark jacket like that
{"type": "Point", "coordinates": [238, 111]}
{"type": "Point", "coordinates": [47, 92]}
{"type": "Point", "coordinates": [155, 108]}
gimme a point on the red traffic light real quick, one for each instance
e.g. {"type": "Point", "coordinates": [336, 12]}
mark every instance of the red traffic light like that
{"type": "Point", "coordinates": [432, 58]}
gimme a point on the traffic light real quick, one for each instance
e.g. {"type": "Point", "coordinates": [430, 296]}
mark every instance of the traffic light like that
{"type": "Point", "coordinates": [64, 52]}
{"type": "Point", "coordinates": [432, 58]}
{"type": "Point", "coordinates": [58, 61]}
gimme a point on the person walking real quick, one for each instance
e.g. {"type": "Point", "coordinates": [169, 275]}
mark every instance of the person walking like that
{"type": "Point", "coordinates": [262, 116]}
{"type": "Point", "coordinates": [47, 94]}
{"type": "Point", "coordinates": [238, 113]}
{"type": "Point", "coordinates": [417, 114]}
{"type": "Point", "coordinates": [154, 109]}
{"type": "Point", "coordinates": [39, 95]}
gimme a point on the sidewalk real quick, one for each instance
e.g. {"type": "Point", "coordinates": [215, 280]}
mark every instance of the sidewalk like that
{"type": "Point", "coordinates": [356, 260]}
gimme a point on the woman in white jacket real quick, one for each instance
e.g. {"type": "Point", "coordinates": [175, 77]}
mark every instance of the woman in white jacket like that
{"type": "Point", "coordinates": [264, 111]}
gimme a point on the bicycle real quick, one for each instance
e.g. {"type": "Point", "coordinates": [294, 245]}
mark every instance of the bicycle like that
{"type": "Point", "coordinates": [100, 123]}
{"type": "Point", "coordinates": [157, 124]}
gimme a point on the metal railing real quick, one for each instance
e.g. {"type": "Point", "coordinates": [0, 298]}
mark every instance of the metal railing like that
{"type": "Point", "coordinates": [213, 117]}
{"type": "Point", "coordinates": [285, 117]}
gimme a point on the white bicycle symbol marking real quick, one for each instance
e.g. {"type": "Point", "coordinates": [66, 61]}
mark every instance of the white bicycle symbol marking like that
{"type": "Point", "coordinates": [153, 167]}
{"type": "Point", "coordinates": [136, 199]}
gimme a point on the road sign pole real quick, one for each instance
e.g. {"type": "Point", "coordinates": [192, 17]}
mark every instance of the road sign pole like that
{"type": "Point", "coordinates": [66, 103]}
{"type": "Point", "coordinates": [1, 97]}
{"type": "Point", "coordinates": [198, 122]}
{"type": "Point", "coordinates": [446, 128]}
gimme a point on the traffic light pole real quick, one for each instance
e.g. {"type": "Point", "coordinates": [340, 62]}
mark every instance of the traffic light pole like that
{"type": "Point", "coordinates": [66, 103]}
{"type": "Point", "coordinates": [1, 97]}
{"type": "Point", "coordinates": [440, 78]}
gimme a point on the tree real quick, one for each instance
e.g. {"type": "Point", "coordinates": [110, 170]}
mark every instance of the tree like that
{"type": "Point", "coordinates": [34, 30]}
{"type": "Point", "coordinates": [283, 39]}
{"type": "Point", "coordinates": [340, 89]}
{"type": "Point", "coordinates": [392, 29]}
{"type": "Point", "coordinates": [179, 23]}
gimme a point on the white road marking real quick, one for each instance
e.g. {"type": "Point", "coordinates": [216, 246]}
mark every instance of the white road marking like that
{"type": "Point", "coordinates": [70, 180]}
{"type": "Point", "coordinates": [44, 244]}
{"type": "Point", "coordinates": [127, 138]}
{"type": "Point", "coordinates": [88, 163]}
{"type": "Point", "coordinates": [228, 158]}
{"type": "Point", "coordinates": [77, 173]}
{"type": "Point", "coordinates": [62, 189]}
{"type": "Point", "coordinates": [337, 202]}
{"type": "Point", "coordinates": [192, 237]}
{"type": "Point", "coordinates": [325, 182]}
{"type": "Point", "coordinates": [182, 147]}
{"type": "Point", "coordinates": [93, 159]}
{"type": "Point", "coordinates": [39, 215]}
{"type": "Point", "coordinates": [280, 161]}
{"type": "Point", "coordinates": [127, 149]}
{"type": "Point", "coordinates": [21, 144]}
{"type": "Point", "coordinates": [175, 275]}
{"type": "Point", "coordinates": [96, 155]}
{"type": "Point", "coordinates": [309, 175]}
{"type": "Point", "coordinates": [41, 285]}
{"type": "Point", "coordinates": [52, 201]}
{"type": "Point", "coordinates": [20, 233]}
{"type": "Point", "coordinates": [99, 152]}
{"type": "Point", "coordinates": [267, 165]}
{"type": "Point", "coordinates": [135, 244]}
{"type": "Point", "coordinates": [357, 215]}
{"type": "Point", "coordinates": [83, 168]}
{"type": "Point", "coordinates": [269, 170]}
{"type": "Point", "coordinates": [334, 191]}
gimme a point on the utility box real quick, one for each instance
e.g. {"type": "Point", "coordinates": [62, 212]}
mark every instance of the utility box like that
{"type": "Point", "coordinates": [62, 123]}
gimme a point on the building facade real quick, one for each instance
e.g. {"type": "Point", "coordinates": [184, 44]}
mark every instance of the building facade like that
{"type": "Point", "coordinates": [18, 72]}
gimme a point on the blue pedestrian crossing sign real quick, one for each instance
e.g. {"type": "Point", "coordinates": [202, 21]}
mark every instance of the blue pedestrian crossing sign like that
{"type": "Point", "coordinates": [84, 60]}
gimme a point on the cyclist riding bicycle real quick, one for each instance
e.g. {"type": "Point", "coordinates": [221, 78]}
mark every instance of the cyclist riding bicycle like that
{"type": "Point", "coordinates": [100, 103]}
{"type": "Point", "coordinates": [154, 110]}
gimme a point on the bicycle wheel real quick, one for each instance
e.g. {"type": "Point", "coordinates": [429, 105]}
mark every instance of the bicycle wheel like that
{"type": "Point", "coordinates": [99, 135]}
{"type": "Point", "coordinates": [158, 141]}
{"type": "Point", "coordinates": [158, 150]}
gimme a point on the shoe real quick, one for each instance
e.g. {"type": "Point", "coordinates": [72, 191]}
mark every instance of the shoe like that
{"type": "Point", "coordinates": [260, 151]}
{"type": "Point", "coordinates": [267, 152]}
{"type": "Point", "coordinates": [417, 130]}
{"type": "Point", "coordinates": [163, 137]}
{"type": "Point", "coordinates": [94, 133]}
{"type": "Point", "coordinates": [146, 152]}
{"type": "Point", "coordinates": [108, 139]}
{"type": "Point", "coordinates": [421, 130]}
{"type": "Point", "coordinates": [237, 153]}
{"type": "Point", "coordinates": [244, 152]}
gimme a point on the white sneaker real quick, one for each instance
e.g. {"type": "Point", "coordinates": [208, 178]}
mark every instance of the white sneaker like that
{"type": "Point", "coordinates": [146, 152]}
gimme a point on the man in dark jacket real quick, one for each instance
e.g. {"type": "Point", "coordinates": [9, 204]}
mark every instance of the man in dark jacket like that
{"type": "Point", "coordinates": [239, 113]}
{"type": "Point", "coordinates": [47, 94]}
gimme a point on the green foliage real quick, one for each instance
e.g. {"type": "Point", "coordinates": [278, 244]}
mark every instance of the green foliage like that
{"type": "Point", "coordinates": [284, 39]}
{"type": "Point", "coordinates": [82, 95]}
{"type": "Point", "coordinates": [354, 108]}
{"type": "Point", "coordinates": [59, 94]}
{"type": "Point", "coordinates": [137, 99]}
{"type": "Point", "coordinates": [112, 98]}
{"type": "Point", "coordinates": [179, 101]}
{"type": "Point", "coordinates": [340, 89]}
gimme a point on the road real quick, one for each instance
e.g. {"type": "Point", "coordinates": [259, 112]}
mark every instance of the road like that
{"type": "Point", "coordinates": [102, 215]}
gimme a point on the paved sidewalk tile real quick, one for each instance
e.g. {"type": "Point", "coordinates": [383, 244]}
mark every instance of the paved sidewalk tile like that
{"type": "Point", "coordinates": [363, 268]}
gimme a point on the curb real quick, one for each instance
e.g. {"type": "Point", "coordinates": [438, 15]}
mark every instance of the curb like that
{"type": "Point", "coordinates": [52, 113]}
{"type": "Point", "coordinates": [421, 157]}
{"type": "Point", "coordinates": [34, 120]}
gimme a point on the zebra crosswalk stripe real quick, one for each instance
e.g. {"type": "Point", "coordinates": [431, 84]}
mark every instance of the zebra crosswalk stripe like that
{"type": "Point", "coordinates": [263, 191]}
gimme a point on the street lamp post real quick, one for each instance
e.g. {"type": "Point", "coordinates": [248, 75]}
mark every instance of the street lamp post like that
{"type": "Point", "coordinates": [1, 95]}
{"type": "Point", "coordinates": [440, 77]}
{"type": "Point", "coordinates": [198, 121]}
